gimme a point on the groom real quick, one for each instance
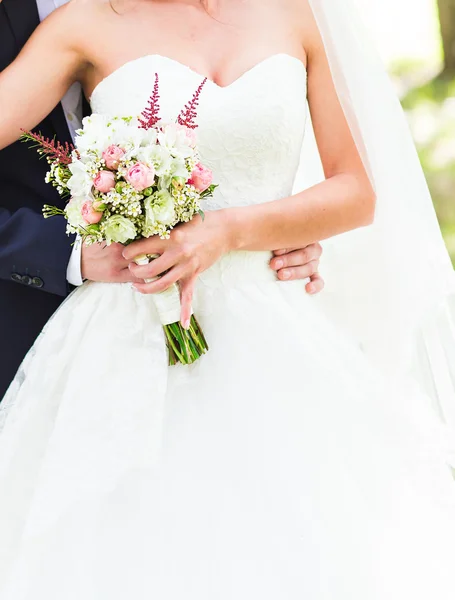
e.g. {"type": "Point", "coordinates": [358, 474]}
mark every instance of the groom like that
{"type": "Point", "coordinates": [38, 262]}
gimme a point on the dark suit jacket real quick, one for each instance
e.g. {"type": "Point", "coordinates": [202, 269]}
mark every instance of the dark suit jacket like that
{"type": "Point", "coordinates": [34, 252]}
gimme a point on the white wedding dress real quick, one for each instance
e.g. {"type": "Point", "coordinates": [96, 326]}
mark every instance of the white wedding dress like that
{"type": "Point", "coordinates": [281, 466]}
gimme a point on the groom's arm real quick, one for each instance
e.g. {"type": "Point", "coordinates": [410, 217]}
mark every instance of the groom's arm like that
{"type": "Point", "coordinates": [34, 251]}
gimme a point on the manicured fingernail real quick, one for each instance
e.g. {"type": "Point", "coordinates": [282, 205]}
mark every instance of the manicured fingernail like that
{"type": "Point", "coordinates": [186, 324]}
{"type": "Point", "coordinates": [279, 264]}
{"type": "Point", "coordinates": [285, 274]}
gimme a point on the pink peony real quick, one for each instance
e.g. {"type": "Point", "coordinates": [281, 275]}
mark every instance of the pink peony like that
{"type": "Point", "coordinates": [201, 177]}
{"type": "Point", "coordinates": [140, 176]}
{"type": "Point", "coordinates": [89, 214]}
{"type": "Point", "coordinates": [104, 182]}
{"type": "Point", "coordinates": [112, 156]}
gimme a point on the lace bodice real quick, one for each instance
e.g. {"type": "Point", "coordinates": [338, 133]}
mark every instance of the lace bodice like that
{"type": "Point", "coordinates": [250, 132]}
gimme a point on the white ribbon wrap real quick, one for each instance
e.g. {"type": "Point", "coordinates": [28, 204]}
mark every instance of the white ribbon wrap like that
{"type": "Point", "coordinates": [168, 302]}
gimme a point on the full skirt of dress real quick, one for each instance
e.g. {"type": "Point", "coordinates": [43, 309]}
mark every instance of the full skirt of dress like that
{"type": "Point", "coordinates": [280, 466]}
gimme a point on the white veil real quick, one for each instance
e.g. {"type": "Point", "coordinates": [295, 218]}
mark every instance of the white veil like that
{"type": "Point", "coordinates": [391, 285]}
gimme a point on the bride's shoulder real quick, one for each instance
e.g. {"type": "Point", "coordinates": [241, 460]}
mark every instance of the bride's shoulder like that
{"type": "Point", "coordinates": [305, 22]}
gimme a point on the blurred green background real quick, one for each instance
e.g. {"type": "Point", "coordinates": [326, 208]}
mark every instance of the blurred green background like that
{"type": "Point", "coordinates": [416, 39]}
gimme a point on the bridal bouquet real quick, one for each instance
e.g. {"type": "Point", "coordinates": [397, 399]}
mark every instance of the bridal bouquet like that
{"type": "Point", "coordinates": [129, 178]}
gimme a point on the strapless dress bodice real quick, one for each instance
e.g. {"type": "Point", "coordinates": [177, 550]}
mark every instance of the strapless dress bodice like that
{"type": "Point", "coordinates": [250, 133]}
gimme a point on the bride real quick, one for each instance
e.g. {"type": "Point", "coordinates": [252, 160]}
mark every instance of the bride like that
{"type": "Point", "coordinates": [284, 464]}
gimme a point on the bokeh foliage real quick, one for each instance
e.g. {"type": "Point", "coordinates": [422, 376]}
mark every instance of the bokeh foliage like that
{"type": "Point", "coordinates": [428, 97]}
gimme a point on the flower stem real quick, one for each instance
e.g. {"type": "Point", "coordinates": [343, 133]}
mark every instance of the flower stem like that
{"type": "Point", "coordinates": [185, 346]}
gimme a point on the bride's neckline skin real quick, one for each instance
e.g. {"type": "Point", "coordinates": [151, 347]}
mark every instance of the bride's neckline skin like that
{"type": "Point", "coordinates": [226, 50]}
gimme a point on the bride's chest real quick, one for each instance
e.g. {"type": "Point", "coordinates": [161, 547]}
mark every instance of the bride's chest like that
{"type": "Point", "coordinates": [264, 105]}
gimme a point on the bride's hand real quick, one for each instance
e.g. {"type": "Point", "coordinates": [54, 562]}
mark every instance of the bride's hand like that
{"type": "Point", "coordinates": [192, 248]}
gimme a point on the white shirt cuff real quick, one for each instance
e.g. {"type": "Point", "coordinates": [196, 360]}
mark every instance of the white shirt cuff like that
{"type": "Point", "coordinates": [73, 272]}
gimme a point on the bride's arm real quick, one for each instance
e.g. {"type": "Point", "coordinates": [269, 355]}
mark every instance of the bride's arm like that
{"type": "Point", "coordinates": [39, 77]}
{"type": "Point", "coordinates": [344, 201]}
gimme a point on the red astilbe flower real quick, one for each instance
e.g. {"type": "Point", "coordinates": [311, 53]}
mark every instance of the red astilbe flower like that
{"type": "Point", "coordinates": [189, 113]}
{"type": "Point", "coordinates": [150, 115]}
{"type": "Point", "coordinates": [52, 149]}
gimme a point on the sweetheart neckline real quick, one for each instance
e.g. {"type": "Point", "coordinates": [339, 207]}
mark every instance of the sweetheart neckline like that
{"type": "Point", "coordinates": [236, 81]}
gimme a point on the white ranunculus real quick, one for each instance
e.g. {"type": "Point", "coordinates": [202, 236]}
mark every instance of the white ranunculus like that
{"type": "Point", "coordinates": [80, 183]}
{"type": "Point", "coordinates": [159, 208]}
{"type": "Point", "coordinates": [119, 229]}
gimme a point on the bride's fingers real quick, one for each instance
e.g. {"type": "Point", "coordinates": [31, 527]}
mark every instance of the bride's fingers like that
{"type": "Point", "coordinates": [151, 245]}
{"type": "Point", "coordinates": [161, 284]}
{"type": "Point", "coordinates": [186, 299]}
{"type": "Point", "coordinates": [155, 267]}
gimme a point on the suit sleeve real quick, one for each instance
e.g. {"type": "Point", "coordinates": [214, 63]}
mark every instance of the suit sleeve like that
{"type": "Point", "coordinates": [34, 251]}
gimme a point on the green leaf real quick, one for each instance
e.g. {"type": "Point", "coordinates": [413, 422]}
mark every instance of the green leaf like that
{"type": "Point", "coordinates": [209, 191]}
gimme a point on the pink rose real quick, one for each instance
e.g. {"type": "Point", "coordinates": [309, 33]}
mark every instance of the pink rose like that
{"type": "Point", "coordinates": [112, 156]}
{"type": "Point", "coordinates": [190, 134]}
{"type": "Point", "coordinates": [201, 178]}
{"type": "Point", "coordinates": [89, 214]}
{"type": "Point", "coordinates": [104, 181]}
{"type": "Point", "coordinates": [140, 176]}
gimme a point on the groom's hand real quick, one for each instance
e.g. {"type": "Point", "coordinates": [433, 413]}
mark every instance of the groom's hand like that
{"type": "Point", "coordinates": [105, 264]}
{"type": "Point", "coordinates": [299, 263]}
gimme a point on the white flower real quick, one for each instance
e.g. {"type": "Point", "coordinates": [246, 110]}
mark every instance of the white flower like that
{"type": "Point", "coordinates": [94, 134]}
{"type": "Point", "coordinates": [80, 183]}
{"type": "Point", "coordinates": [174, 138]}
{"type": "Point", "coordinates": [155, 156]}
{"type": "Point", "coordinates": [178, 168]}
{"type": "Point", "coordinates": [159, 208]}
{"type": "Point", "coordinates": [149, 136]}
{"type": "Point", "coordinates": [73, 212]}
{"type": "Point", "coordinates": [128, 135]}
{"type": "Point", "coordinates": [100, 131]}
{"type": "Point", "coordinates": [118, 229]}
